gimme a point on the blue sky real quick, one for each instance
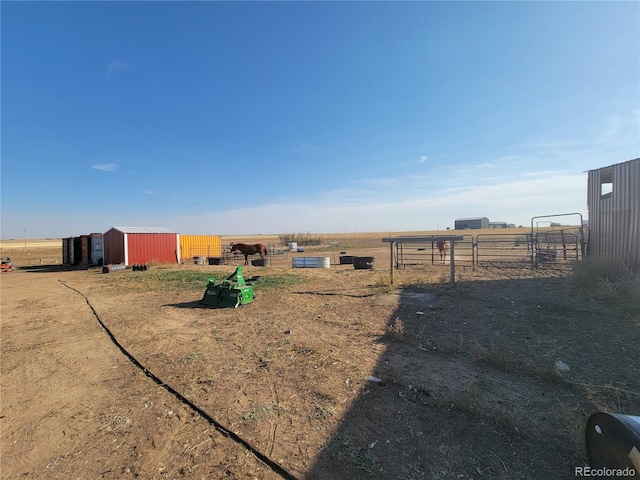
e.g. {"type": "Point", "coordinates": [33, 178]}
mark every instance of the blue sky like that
{"type": "Point", "coordinates": [296, 117]}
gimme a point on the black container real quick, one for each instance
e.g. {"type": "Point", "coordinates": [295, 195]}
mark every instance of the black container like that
{"type": "Point", "coordinates": [260, 262]}
{"type": "Point", "coordinates": [346, 259]}
{"type": "Point", "coordinates": [612, 440]}
{"type": "Point", "coordinates": [364, 263]}
{"type": "Point", "coordinates": [215, 260]}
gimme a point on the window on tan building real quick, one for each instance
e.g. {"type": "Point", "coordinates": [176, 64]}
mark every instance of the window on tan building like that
{"type": "Point", "coordinates": [606, 182]}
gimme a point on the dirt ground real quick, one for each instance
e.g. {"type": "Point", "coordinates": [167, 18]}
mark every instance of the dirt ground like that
{"type": "Point", "coordinates": [329, 374]}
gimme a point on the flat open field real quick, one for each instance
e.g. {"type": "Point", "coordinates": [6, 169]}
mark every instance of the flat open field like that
{"type": "Point", "coordinates": [329, 374]}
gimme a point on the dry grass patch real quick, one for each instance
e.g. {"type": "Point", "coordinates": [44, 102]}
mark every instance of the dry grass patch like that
{"type": "Point", "coordinates": [611, 281]}
{"type": "Point", "coordinates": [262, 412]}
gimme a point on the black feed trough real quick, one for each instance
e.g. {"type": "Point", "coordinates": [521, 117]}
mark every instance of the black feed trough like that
{"type": "Point", "coordinates": [364, 263]}
{"type": "Point", "coordinates": [261, 262]}
{"type": "Point", "coordinates": [346, 259]}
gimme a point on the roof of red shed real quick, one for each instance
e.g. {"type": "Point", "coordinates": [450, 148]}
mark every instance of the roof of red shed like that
{"type": "Point", "coordinates": [144, 230]}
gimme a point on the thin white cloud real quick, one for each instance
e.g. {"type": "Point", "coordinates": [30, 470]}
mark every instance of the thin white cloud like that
{"type": "Point", "coordinates": [116, 66]}
{"type": "Point", "coordinates": [615, 128]}
{"type": "Point", "coordinates": [391, 208]}
{"type": "Point", "coordinates": [423, 159]}
{"type": "Point", "coordinates": [149, 192]}
{"type": "Point", "coordinates": [105, 167]}
{"type": "Point", "coordinates": [398, 204]}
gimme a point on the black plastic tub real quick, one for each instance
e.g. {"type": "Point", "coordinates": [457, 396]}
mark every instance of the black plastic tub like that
{"type": "Point", "coordinates": [364, 263]}
{"type": "Point", "coordinates": [260, 262]}
{"type": "Point", "coordinates": [346, 259]}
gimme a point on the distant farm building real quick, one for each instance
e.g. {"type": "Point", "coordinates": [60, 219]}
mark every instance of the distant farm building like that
{"type": "Point", "coordinates": [613, 200]}
{"type": "Point", "coordinates": [140, 245]}
{"type": "Point", "coordinates": [497, 224]}
{"type": "Point", "coordinates": [471, 223]}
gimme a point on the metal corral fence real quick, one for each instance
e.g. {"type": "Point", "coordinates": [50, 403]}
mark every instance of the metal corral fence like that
{"type": "Point", "coordinates": [557, 247]}
{"type": "Point", "coordinates": [546, 248]}
{"type": "Point", "coordinates": [542, 248]}
{"type": "Point", "coordinates": [502, 250]}
{"type": "Point", "coordinates": [560, 247]}
{"type": "Point", "coordinates": [236, 258]}
{"type": "Point", "coordinates": [427, 253]}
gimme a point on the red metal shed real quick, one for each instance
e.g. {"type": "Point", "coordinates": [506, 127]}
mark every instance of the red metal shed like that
{"type": "Point", "coordinates": [140, 245]}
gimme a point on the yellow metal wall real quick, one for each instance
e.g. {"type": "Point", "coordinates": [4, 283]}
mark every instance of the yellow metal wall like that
{"type": "Point", "coordinates": [200, 246]}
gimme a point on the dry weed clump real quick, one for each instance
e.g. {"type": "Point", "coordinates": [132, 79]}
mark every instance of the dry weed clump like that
{"type": "Point", "coordinates": [345, 448]}
{"type": "Point", "coordinates": [395, 331]}
{"type": "Point", "coordinates": [611, 281]}
{"type": "Point", "coordinates": [382, 285]}
{"type": "Point", "coordinates": [321, 412]}
{"type": "Point", "coordinates": [261, 412]}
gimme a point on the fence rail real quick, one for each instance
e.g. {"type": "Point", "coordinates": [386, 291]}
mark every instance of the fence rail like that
{"type": "Point", "coordinates": [545, 248]}
{"type": "Point", "coordinates": [202, 251]}
{"type": "Point", "coordinates": [237, 258]}
{"type": "Point", "coordinates": [427, 253]}
{"type": "Point", "coordinates": [502, 250]}
{"type": "Point", "coordinates": [497, 250]}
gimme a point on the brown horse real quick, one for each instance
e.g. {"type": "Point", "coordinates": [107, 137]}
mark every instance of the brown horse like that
{"type": "Point", "coordinates": [443, 247]}
{"type": "Point", "coordinates": [247, 250]}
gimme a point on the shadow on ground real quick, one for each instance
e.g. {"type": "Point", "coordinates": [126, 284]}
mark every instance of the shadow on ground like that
{"type": "Point", "coordinates": [469, 385]}
{"type": "Point", "coordinates": [54, 268]}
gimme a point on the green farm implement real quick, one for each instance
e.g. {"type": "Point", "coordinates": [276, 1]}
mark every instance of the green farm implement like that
{"type": "Point", "coordinates": [230, 292]}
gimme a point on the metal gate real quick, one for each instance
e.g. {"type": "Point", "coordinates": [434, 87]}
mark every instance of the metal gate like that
{"type": "Point", "coordinates": [426, 253]}
{"type": "Point", "coordinates": [555, 247]}
{"type": "Point", "coordinates": [544, 248]}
